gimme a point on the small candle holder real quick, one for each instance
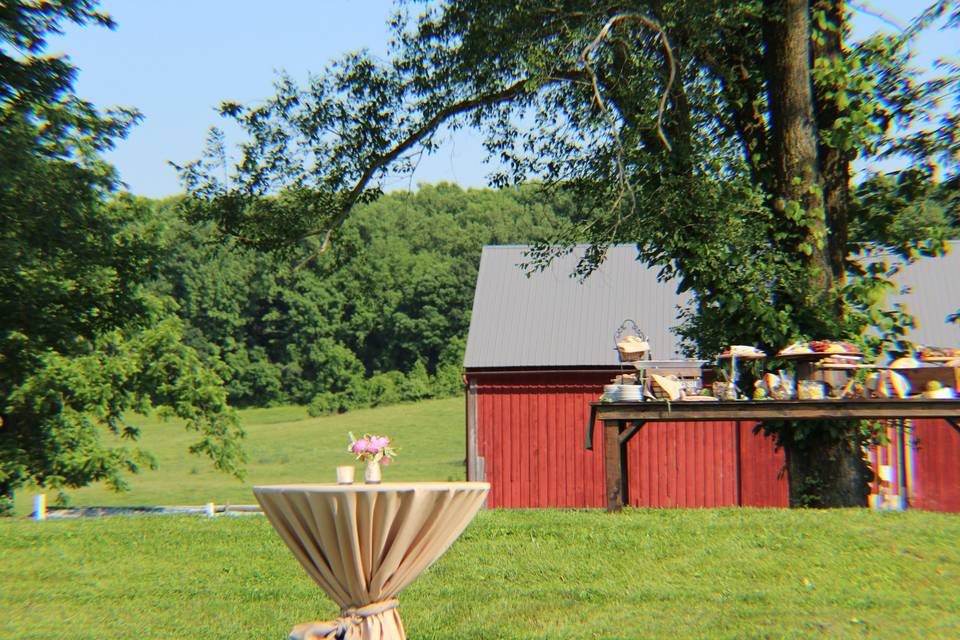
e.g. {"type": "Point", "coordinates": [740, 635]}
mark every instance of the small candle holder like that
{"type": "Point", "coordinates": [345, 474]}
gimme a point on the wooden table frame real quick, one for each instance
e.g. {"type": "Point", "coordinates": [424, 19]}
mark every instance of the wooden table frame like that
{"type": "Point", "coordinates": [623, 420]}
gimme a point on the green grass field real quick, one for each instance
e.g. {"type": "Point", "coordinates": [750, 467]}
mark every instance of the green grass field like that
{"type": "Point", "coordinates": [286, 445]}
{"type": "Point", "coordinates": [513, 574]}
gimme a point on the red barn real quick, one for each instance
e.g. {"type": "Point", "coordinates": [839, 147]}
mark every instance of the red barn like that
{"type": "Point", "coordinates": [540, 350]}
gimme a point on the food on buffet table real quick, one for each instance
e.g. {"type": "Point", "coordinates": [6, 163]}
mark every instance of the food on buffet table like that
{"type": "Point", "coordinates": [632, 348]}
{"type": "Point", "coordinates": [725, 391]}
{"type": "Point", "coordinates": [797, 348]}
{"type": "Point", "coordinates": [888, 384]}
{"type": "Point", "coordinates": [853, 389]}
{"type": "Point", "coordinates": [778, 387]}
{"type": "Point", "coordinates": [939, 354]}
{"type": "Point", "coordinates": [832, 348]}
{"type": "Point", "coordinates": [904, 363]}
{"type": "Point", "coordinates": [743, 351]}
{"type": "Point", "coordinates": [936, 391]}
{"type": "Point", "coordinates": [899, 383]}
{"type": "Point", "coordinates": [811, 390]}
{"type": "Point", "coordinates": [841, 360]}
{"type": "Point", "coordinates": [666, 386]}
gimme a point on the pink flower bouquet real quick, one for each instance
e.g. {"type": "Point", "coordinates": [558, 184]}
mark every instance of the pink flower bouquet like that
{"type": "Point", "coordinates": [372, 448]}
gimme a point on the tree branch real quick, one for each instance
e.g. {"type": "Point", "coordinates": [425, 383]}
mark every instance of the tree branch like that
{"type": "Point", "coordinates": [383, 161]}
{"type": "Point", "coordinates": [585, 62]}
{"type": "Point", "coordinates": [876, 13]}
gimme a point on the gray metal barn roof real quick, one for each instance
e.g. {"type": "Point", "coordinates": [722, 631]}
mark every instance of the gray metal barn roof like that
{"type": "Point", "coordinates": [553, 320]}
{"type": "Point", "coordinates": [932, 292]}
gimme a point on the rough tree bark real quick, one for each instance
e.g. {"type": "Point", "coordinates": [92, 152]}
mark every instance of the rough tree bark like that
{"type": "Point", "coordinates": [796, 171]}
{"type": "Point", "coordinates": [825, 466]}
{"type": "Point", "coordinates": [834, 162]}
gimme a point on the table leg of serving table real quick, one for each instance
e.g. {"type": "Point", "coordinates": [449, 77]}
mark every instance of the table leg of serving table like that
{"type": "Point", "coordinates": [615, 464]}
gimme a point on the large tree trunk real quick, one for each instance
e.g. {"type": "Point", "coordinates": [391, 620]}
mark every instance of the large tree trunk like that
{"type": "Point", "coordinates": [826, 470]}
{"type": "Point", "coordinates": [834, 162]}
{"type": "Point", "coordinates": [796, 171]}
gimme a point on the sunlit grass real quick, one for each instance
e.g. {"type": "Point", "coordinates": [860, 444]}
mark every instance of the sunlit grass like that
{"type": "Point", "coordinates": [513, 574]}
{"type": "Point", "coordinates": [284, 444]}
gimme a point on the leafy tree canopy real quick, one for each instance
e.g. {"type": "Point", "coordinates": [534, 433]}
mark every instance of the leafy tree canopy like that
{"type": "Point", "coordinates": [384, 313]}
{"type": "Point", "coordinates": [82, 341]}
{"type": "Point", "coordinates": [718, 136]}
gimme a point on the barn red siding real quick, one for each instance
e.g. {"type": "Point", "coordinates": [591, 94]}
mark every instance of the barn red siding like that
{"type": "Point", "coordinates": [763, 473]}
{"type": "Point", "coordinates": [531, 438]}
{"type": "Point", "coordinates": [935, 472]}
{"type": "Point", "coordinates": [683, 464]}
{"type": "Point", "coordinates": [531, 429]}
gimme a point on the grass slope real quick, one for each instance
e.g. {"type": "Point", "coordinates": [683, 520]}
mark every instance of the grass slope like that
{"type": "Point", "coordinates": [285, 445]}
{"type": "Point", "coordinates": [513, 574]}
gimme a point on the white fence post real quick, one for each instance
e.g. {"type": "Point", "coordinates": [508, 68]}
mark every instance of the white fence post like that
{"type": "Point", "coordinates": [211, 510]}
{"type": "Point", "coordinates": [40, 507]}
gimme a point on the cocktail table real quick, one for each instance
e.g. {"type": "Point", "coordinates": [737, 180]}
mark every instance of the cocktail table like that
{"type": "Point", "coordinates": [363, 543]}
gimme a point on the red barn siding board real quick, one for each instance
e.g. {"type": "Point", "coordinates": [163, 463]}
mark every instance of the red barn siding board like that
{"type": "Point", "coordinates": [550, 418]}
{"type": "Point", "coordinates": [527, 441]}
{"type": "Point", "coordinates": [936, 466]}
{"type": "Point", "coordinates": [763, 476]}
{"type": "Point", "coordinates": [543, 452]}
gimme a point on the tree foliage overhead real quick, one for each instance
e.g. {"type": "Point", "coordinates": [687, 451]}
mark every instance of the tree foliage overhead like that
{"type": "Point", "coordinates": [718, 136]}
{"type": "Point", "coordinates": [700, 171]}
{"type": "Point", "coordinates": [82, 339]}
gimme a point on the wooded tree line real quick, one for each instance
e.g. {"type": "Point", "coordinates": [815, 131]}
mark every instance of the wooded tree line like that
{"type": "Point", "coordinates": [84, 338]}
{"type": "Point", "coordinates": [381, 318]}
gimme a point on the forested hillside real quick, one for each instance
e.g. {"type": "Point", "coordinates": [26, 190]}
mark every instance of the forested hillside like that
{"type": "Point", "coordinates": [381, 318]}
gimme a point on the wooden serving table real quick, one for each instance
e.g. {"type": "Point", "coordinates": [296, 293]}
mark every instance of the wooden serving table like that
{"type": "Point", "coordinates": [622, 420]}
{"type": "Point", "coordinates": [363, 543]}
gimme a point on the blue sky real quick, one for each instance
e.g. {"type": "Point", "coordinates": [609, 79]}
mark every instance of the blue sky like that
{"type": "Point", "coordinates": [175, 60]}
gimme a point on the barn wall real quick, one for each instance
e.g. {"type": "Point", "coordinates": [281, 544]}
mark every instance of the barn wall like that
{"type": "Point", "coordinates": [763, 473]}
{"type": "Point", "coordinates": [530, 433]}
{"type": "Point", "coordinates": [531, 430]}
{"type": "Point", "coordinates": [931, 472]}
{"type": "Point", "coordinates": [684, 464]}
{"type": "Point", "coordinates": [934, 475]}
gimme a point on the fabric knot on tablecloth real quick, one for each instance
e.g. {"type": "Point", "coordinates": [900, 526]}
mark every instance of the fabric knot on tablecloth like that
{"type": "Point", "coordinates": [346, 627]}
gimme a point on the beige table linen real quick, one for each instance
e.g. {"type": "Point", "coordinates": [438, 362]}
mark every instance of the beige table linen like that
{"type": "Point", "coordinates": [364, 543]}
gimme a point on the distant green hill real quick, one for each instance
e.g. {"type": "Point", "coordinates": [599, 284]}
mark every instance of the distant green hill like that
{"type": "Point", "coordinates": [284, 444]}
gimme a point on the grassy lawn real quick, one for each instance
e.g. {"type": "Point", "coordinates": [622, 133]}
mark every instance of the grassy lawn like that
{"type": "Point", "coordinates": [286, 445]}
{"type": "Point", "coordinates": [513, 574]}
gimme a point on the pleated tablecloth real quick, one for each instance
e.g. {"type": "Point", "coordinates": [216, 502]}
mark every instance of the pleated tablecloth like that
{"type": "Point", "coordinates": [363, 543]}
